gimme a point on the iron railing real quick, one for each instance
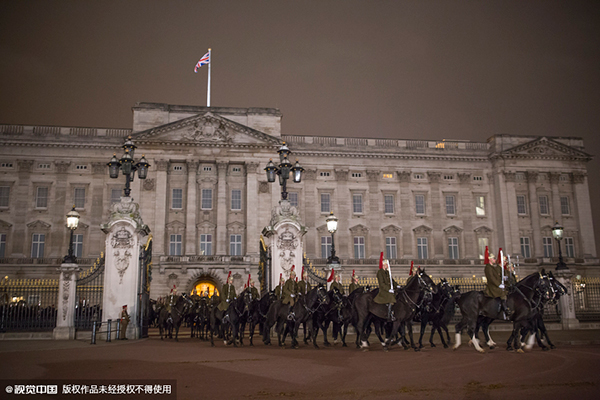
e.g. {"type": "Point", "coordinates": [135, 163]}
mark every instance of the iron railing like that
{"type": "Point", "coordinates": [28, 304]}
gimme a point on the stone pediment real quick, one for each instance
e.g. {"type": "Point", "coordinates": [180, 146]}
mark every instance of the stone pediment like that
{"type": "Point", "coordinates": [359, 230]}
{"type": "Point", "coordinates": [38, 225]}
{"type": "Point", "coordinates": [422, 230]}
{"type": "Point", "coordinates": [175, 227]}
{"type": "Point", "coordinates": [206, 225]}
{"type": "Point", "coordinates": [453, 229]}
{"type": "Point", "coordinates": [206, 130]}
{"type": "Point", "coordinates": [483, 230]}
{"type": "Point", "coordinates": [4, 224]}
{"type": "Point", "coordinates": [391, 229]}
{"type": "Point", "coordinates": [546, 149]}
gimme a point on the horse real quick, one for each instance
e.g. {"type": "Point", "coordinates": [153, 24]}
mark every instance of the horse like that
{"type": "Point", "coordinates": [407, 300]}
{"type": "Point", "coordinates": [258, 313]}
{"type": "Point", "coordinates": [169, 320]}
{"type": "Point", "coordinates": [538, 330]}
{"type": "Point", "coordinates": [330, 312]}
{"type": "Point", "coordinates": [238, 313]}
{"type": "Point", "coordinates": [439, 312]}
{"type": "Point", "coordinates": [348, 316]}
{"type": "Point", "coordinates": [303, 310]}
{"type": "Point", "coordinates": [200, 319]}
{"type": "Point", "coordinates": [478, 310]}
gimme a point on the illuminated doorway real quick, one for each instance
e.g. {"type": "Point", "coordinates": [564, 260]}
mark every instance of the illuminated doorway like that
{"type": "Point", "coordinates": [205, 287]}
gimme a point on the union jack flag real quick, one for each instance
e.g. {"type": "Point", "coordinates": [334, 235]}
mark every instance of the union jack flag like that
{"type": "Point", "coordinates": [203, 61]}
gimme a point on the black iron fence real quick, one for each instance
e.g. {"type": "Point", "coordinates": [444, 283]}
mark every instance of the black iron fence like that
{"type": "Point", "coordinates": [28, 304]}
{"type": "Point", "coordinates": [89, 295]}
{"type": "Point", "coordinates": [586, 296]}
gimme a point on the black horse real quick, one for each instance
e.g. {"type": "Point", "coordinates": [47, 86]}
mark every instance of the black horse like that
{"type": "Point", "coordinates": [407, 301]}
{"type": "Point", "coordinates": [258, 313]}
{"type": "Point", "coordinates": [303, 311]}
{"type": "Point", "coordinates": [331, 311]}
{"type": "Point", "coordinates": [238, 314]}
{"type": "Point", "coordinates": [200, 319]}
{"type": "Point", "coordinates": [480, 311]}
{"type": "Point", "coordinates": [167, 321]}
{"type": "Point", "coordinates": [439, 312]}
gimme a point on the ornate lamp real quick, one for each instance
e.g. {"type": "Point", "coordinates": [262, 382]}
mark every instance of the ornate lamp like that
{"type": "Point", "coordinates": [557, 233]}
{"type": "Point", "coordinates": [72, 223]}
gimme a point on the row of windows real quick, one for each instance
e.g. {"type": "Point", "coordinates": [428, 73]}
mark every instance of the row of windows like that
{"type": "Point", "coordinates": [38, 244]}
{"type": "Point", "coordinates": [544, 205]}
{"type": "Point", "coordinates": [42, 195]}
{"type": "Point", "coordinates": [206, 245]}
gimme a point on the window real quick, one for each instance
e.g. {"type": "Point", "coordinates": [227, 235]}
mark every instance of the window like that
{"type": "Point", "coordinates": [521, 206]}
{"type": "Point", "coordinates": [236, 169]}
{"type": "Point", "coordinates": [525, 248]}
{"type": "Point", "coordinates": [79, 197]}
{"type": "Point", "coordinates": [41, 197]}
{"type": "Point", "coordinates": [81, 167]}
{"type": "Point", "coordinates": [236, 199]}
{"type": "Point", "coordinates": [44, 166]}
{"type": "Point", "coordinates": [390, 248]}
{"type": "Point", "coordinates": [206, 199]}
{"type": "Point", "coordinates": [235, 245]}
{"type": "Point", "coordinates": [356, 174]}
{"type": "Point", "coordinates": [322, 173]}
{"type": "Point", "coordinates": [115, 195]}
{"type": "Point", "coordinates": [418, 176]}
{"type": "Point", "coordinates": [479, 206]}
{"type": "Point", "coordinates": [547, 242]}
{"type": "Point", "coordinates": [422, 248]}
{"type": "Point", "coordinates": [325, 246]}
{"type": "Point", "coordinates": [206, 245]}
{"type": "Point", "coordinates": [564, 205]}
{"type": "Point", "coordinates": [4, 195]}
{"type": "Point", "coordinates": [178, 168]}
{"type": "Point", "coordinates": [453, 248]}
{"type": "Point", "coordinates": [543, 205]}
{"type": "Point", "coordinates": [388, 204]}
{"type": "Point", "coordinates": [482, 243]}
{"type": "Point", "coordinates": [2, 245]}
{"type": "Point", "coordinates": [478, 178]}
{"type": "Point", "coordinates": [420, 204]}
{"type": "Point", "coordinates": [359, 247]}
{"type": "Point", "coordinates": [450, 206]}
{"type": "Point", "coordinates": [357, 205]}
{"type": "Point", "coordinates": [37, 245]}
{"type": "Point", "coordinates": [325, 208]}
{"type": "Point", "coordinates": [78, 245]}
{"type": "Point", "coordinates": [569, 247]}
{"type": "Point", "coordinates": [448, 177]}
{"type": "Point", "coordinates": [6, 165]}
{"type": "Point", "coordinates": [175, 245]}
{"type": "Point", "coordinates": [293, 198]}
{"type": "Point", "coordinates": [177, 199]}
{"type": "Point", "coordinates": [207, 169]}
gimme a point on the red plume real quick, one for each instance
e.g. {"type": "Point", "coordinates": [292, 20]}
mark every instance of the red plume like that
{"type": "Point", "coordinates": [280, 277]}
{"type": "Point", "coordinates": [302, 274]}
{"type": "Point", "coordinates": [248, 283]}
{"type": "Point", "coordinates": [498, 258]}
{"type": "Point", "coordinates": [229, 275]}
{"type": "Point", "coordinates": [353, 273]}
{"type": "Point", "coordinates": [293, 267]}
{"type": "Point", "coordinates": [331, 276]}
{"type": "Point", "coordinates": [486, 257]}
{"type": "Point", "coordinates": [411, 268]}
{"type": "Point", "coordinates": [296, 279]}
{"type": "Point", "coordinates": [381, 260]}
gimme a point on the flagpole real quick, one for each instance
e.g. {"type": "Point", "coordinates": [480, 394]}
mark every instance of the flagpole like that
{"type": "Point", "coordinates": [208, 87]}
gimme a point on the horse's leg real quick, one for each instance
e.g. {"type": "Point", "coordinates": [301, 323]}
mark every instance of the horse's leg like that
{"type": "Point", "coordinates": [423, 326]}
{"type": "Point", "coordinates": [544, 333]}
{"type": "Point", "coordinates": [325, 327]}
{"type": "Point", "coordinates": [445, 328]}
{"type": "Point", "coordinates": [344, 332]}
{"type": "Point", "coordinates": [251, 327]}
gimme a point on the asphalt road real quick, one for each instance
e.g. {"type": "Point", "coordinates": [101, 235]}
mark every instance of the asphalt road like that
{"type": "Point", "coordinates": [268, 372]}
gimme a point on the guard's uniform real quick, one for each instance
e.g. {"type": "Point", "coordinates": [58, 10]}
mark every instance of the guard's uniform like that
{"type": "Point", "coordinates": [384, 296]}
{"type": "Point", "coordinates": [303, 287]}
{"type": "Point", "coordinates": [124, 323]}
{"type": "Point", "coordinates": [290, 290]}
{"type": "Point", "coordinates": [227, 296]}
{"type": "Point", "coordinates": [338, 286]}
{"type": "Point", "coordinates": [353, 287]}
{"type": "Point", "coordinates": [254, 293]}
{"type": "Point", "coordinates": [493, 274]}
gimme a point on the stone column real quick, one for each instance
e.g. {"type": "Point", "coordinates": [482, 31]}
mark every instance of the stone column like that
{"type": "Point", "coordinates": [437, 235]}
{"type": "Point", "coordinates": [160, 207]}
{"type": "Point", "coordinates": [191, 240]}
{"type": "Point", "coordinates": [373, 216]}
{"type": "Point", "coordinates": [567, 304]}
{"type": "Point", "coordinates": [313, 210]}
{"type": "Point", "coordinates": [22, 193]}
{"type": "Point", "coordinates": [556, 211]}
{"type": "Point", "coordinates": [65, 315]}
{"type": "Point", "coordinates": [341, 205]}
{"type": "Point", "coordinates": [534, 213]}
{"type": "Point", "coordinates": [511, 240]}
{"type": "Point", "coordinates": [221, 208]}
{"type": "Point", "coordinates": [252, 204]}
{"type": "Point", "coordinates": [584, 215]}
{"type": "Point", "coordinates": [467, 213]}
{"type": "Point", "coordinates": [405, 215]}
{"type": "Point", "coordinates": [125, 234]}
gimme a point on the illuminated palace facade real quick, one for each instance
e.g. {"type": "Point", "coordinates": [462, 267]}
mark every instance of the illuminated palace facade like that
{"type": "Point", "coordinates": [207, 199]}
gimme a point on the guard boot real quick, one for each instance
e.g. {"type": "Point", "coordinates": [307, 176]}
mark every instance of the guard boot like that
{"type": "Point", "coordinates": [391, 316]}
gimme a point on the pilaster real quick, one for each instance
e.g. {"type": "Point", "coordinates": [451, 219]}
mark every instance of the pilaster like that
{"type": "Point", "coordinates": [581, 191]}
{"type": "Point", "coordinates": [160, 206]}
{"type": "Point", "coordinates": [252, 204]}
{"type": "Point", "coordinates": [534, 213]}
{"type": "Point", "coordinates": [191, 240]}
{"type": "Point", "coordinates": [222, 208]}
{"type": "Point", "coordinates": [65, 310]}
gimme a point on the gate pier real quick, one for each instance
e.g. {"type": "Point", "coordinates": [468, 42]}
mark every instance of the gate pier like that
{"type": "Point", "coordinates": [65, 309]}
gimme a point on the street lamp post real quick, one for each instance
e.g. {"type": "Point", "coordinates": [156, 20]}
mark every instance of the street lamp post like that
{"type": "Point", "coordinates": [557, 232]}
{"type": "Point", "coordinates": [283, 170]}
{"type": "Point", "coordinates": [333, 261]}
{"type": "Point", "coordinates": [72, 223]}
{"type": "Point", "coordinates": [127, 166]}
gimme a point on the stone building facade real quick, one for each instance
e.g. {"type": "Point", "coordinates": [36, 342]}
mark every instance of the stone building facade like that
{"type": "Point", "coordinates": [207, 199]}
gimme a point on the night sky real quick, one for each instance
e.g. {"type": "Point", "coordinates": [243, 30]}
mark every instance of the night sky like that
{"type": "Point", "coordinates": [386, 69]}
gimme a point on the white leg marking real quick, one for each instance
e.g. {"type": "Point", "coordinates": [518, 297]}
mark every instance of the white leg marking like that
{"type": "Point", "coordinates": [364, 344]}
{"type": "Point", "coordinates": [476, 344]}
{"type": "Point", "coordinates": [530, 342]}
{"type": "Point", "coordinates": [457, 340]}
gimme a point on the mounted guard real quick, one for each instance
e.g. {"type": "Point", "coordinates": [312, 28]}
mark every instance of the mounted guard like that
{"type": "Point", "coordinates": [386, 288]}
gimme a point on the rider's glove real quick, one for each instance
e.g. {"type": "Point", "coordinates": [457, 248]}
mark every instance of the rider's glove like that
{"type": "Point", "coordinates": [501, 286]}
{"type": "Point", "coordinates": [391, 290]}
{"type": "Point", "coordinates": [292, 295]}
{"type": "Point", "coordinates": [227, 300]}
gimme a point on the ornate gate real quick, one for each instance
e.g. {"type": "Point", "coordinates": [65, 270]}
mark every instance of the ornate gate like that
{"type": "Point", "coordinates": [144, 290]}
{"type": "Point", "coordinates": [88, 300]}
{"type": "Point", "coordinates": [264, 267]}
